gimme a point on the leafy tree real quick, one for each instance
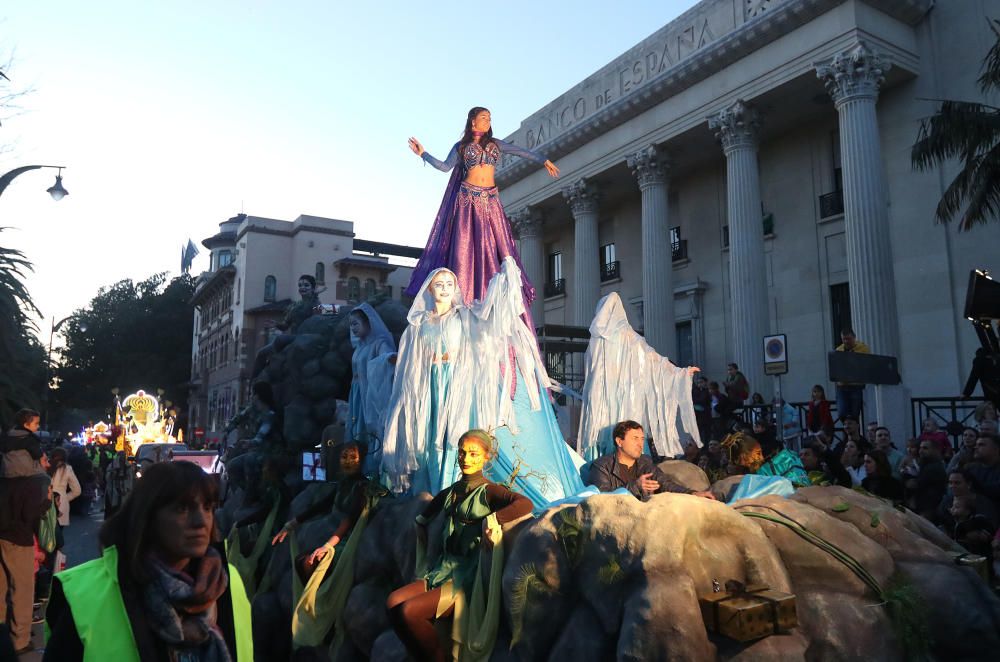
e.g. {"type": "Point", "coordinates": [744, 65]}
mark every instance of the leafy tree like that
{"type": "Point", "coordinates": [138, 335]}
{"type": "Point", "coordinates": [970, 132]}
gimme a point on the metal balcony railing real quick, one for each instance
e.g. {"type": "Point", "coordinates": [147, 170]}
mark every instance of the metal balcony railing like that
{"type": "Point", "coordinates": [555, 287]}
{"type": "Point", "coordinates": [831, 204]}
{"type": "Point", "coordinates": [609, 271]}
{"type": "Point", "coordinates": [679, 250]}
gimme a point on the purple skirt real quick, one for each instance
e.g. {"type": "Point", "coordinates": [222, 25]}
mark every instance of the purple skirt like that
{"type": "Point", "coordinates": [471, 238]}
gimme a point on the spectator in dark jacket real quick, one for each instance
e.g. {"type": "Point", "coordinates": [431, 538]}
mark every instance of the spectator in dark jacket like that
{"type": "Point", "coordinates": [701, 399]}
{"type": "Point", "coordinates": [931, 481]}
{"type": "Point", "coordinates": [986, 466]}
{"type": "Point", "coordinates": [879, 479]}
{"type": "Point", "coordinates": [628, 467]}
{"type": "Point", "coordinates": [20, 447]}
{"type": "Point", "coordinates": [23, 502]}
{"type": "Point", "coordinates": [970, 530]}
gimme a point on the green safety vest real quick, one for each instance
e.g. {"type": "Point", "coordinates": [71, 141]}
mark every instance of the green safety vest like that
{"type": "Point", "coordinates": [98, 610]}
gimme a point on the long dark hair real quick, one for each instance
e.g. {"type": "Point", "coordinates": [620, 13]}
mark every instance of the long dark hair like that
{"type": "Point", "coordinates": [467, 136]}
{"type": "Point", "coordinates": [163, 484]}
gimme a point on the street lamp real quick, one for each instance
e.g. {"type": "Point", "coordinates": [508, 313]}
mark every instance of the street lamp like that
{"type": "Point", "coordinates": [48, 361]}
{"type": "Point", "coordinates": [57, 191]}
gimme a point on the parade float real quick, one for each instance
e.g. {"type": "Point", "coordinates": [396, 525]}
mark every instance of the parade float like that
{"type": "Point", "coordinates": [141, 418]}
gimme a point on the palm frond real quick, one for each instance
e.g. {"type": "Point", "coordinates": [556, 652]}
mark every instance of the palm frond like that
{"type": "Point", "coordinates": [983, 191]}
{"type": "Point", "coordinates": [957, 129]}
{"type": "Point", "coordinates": [989, 80]}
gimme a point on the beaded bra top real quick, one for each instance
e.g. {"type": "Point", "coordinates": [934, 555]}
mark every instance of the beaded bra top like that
{"type": "Point", "coordinates": [474, 155]}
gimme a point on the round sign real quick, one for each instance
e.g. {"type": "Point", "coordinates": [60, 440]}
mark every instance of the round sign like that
{"type": "Point", "coordinates": [775, 348]}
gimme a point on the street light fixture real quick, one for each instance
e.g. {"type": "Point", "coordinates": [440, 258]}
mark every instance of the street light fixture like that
{"type": "Point", "coordinates": [57, 191]}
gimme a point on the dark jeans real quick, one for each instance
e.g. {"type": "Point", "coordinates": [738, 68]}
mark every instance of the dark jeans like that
{"type": "Point", "coordinates": [850, 401]}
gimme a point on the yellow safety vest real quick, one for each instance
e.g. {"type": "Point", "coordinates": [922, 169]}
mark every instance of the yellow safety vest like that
{"type": "Point", "coordinates": [91, 590]}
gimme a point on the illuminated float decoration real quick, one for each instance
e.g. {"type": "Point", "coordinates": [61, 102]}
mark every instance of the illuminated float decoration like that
{"type": "Point", "coordinates": [143, 420]}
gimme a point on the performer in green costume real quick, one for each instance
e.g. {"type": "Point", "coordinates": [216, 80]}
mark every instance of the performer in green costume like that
{"type": "Point", "coordinates": [324, 577]}
{"type": "Point", "coordinates": [451, 584]}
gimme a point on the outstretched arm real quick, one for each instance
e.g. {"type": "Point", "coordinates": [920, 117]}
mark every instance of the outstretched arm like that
{"type": "Point", "coordinates": [445, 166]}
{"type": "Point", "coordinates": [524, 153]}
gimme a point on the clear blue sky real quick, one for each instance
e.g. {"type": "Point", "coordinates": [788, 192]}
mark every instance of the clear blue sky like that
{"type": "Point", "coordinates": [172, 116]}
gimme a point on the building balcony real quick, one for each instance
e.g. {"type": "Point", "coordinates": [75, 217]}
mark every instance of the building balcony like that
{"type": "Point", "coordinates": [831, 204]}
{"type": "Point", "coordinates": [610, 271]}
{"type": "Point", "coordinates": [679, 250]}
{"type": "Point", "coordinates": [555, 288]}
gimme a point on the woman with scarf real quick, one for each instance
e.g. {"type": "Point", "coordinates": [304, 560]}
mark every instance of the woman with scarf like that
{"type": "Point", "coordinates": [450, 584]}
{"type": "Point", "coordinates": [461, 367]}
{"type": "Point", "coordinates": [372, 367]}
{"type": "Point", "coordinates": [325, 575]}
{"type": "Point", "coordinates": [161, 590]}
{"type": "Point", "coordinates": [471, 234]}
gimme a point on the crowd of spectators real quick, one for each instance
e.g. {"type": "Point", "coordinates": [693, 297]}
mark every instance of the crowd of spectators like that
{"type": "Point", "coordinates": [955, 487]}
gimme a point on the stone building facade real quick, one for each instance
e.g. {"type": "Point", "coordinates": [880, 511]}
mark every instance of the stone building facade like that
{"type": "Point", "coordinates": [255, 264]}
{"type": "Point", "coordinates": [745, 170]}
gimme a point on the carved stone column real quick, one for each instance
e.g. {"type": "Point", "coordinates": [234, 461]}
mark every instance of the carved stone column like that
{"type": "Point", "coordinates": [650, 169]}
{"type": "Point", "coordinates": [736, 127]}
{"type": "Point", "coordinates": [586, 284]}
{"type": "Point", "coordinates": [527, 224]}
{"type": "Point", "coordinates": [853, 78]}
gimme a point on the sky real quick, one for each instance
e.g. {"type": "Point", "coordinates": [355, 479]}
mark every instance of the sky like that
{"type": "Point", "coordinates": [172, 116]}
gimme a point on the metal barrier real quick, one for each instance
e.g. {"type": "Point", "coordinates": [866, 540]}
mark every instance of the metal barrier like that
{"type": "Point", "coordinates": [952, 415]}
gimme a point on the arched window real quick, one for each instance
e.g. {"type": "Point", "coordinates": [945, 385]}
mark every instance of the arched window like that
{"type": "Point", "coordinates": [270, 288]}
{"type": "Point", "coordinates": [369, 289]}
{"type": "Point", "coordinates": [353, 289]}
{"type": "Point", "coordinates": [320, 273]}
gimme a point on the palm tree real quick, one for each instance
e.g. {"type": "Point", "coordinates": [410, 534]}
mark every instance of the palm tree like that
{"type": "Point", "coordinates": [970, 132]}
{"type": "Point", "coordinates": [20, 352]}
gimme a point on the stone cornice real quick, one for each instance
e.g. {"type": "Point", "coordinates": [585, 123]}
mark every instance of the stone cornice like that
{"type": "Point", "coordinates": [755, 33]}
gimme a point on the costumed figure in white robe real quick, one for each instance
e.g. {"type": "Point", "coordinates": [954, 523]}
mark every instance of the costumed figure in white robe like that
{"type": "Point", "coordinates": [462, 367]}
{"type": "Point", "coordinates": [371, 382]}
{"type": "Point", "coordinates": [626, 379]}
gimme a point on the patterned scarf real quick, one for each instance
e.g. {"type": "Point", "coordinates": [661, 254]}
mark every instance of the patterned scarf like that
{"type": "Point", "coordinates": [182, 609]}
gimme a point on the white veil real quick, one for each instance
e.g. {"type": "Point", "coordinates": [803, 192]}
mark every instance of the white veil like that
{"type": "Point", "coordinates": [483, 342]}
{"type": "Point", "coordinates": [627, 380]}
{"type": "Point", "coordinates": [404, 444]}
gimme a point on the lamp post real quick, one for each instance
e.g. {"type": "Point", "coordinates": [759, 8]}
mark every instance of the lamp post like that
{"type": "Point", "coordinates": [48, 361]}
{"type": "Point", "coordinates": [57, 191]}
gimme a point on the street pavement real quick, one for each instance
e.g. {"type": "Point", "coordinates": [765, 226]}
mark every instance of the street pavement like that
{"type": "Point", "coordinates": [79, 546]}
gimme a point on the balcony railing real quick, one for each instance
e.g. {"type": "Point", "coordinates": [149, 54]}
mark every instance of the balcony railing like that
{"type": "Point", "coordinates": [609, 271]}
{"type": "Point", "coordinates": [679, 250]}
{"type": "Point", "coordinates": [555, 288]}
{"type": "Point", "coordinates": [831, 204]}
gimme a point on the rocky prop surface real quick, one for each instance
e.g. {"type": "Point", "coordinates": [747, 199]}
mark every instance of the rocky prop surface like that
{"type": "Point", "coordinates": [616, 578]}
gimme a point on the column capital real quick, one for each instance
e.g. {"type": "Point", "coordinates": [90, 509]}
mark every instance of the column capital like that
{"type": "Point", "coordinates": [736, 126]}
{"type": "Point", "coordinates": [856, 73]}
{"type": "Point", "coordinates": [526, 222]}
{"type": "Point", "coordinates": [581, 196]}
{"type": "Point", "coordinates": [649, 165]}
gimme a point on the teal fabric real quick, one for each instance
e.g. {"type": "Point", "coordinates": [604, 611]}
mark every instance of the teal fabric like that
{"type": "Point", "coordinates": [754, 485]}
{"type": "Point", "coordinates": [546, 472]}
{"type": "Point", "coordinates": [787, 464]}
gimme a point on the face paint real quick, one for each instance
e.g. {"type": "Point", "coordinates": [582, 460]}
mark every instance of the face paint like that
{"type": "Point", "coordinates": [442, 287]}
{"type": "Point", "coordinates": [350, 460]}
{"type": "Point", "coordinates": [471, 457]}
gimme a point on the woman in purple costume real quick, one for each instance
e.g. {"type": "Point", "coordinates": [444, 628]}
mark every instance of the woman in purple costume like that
{"type": "Point", "coordinates": [471, 234]}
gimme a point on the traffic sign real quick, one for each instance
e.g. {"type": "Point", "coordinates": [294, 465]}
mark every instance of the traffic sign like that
{"type": "Point", "coordinates": [775, 355]}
